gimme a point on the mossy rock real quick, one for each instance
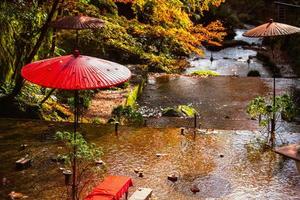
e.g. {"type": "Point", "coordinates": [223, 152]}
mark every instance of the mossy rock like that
{"type": "Point", "coordinates": [179, 111]}
{"type": "Point", "coordinates": [253, 73]}
{"type": "Point", "coordinates": [187, 110]}
{"type": "Point", "coordinates": [172, 112]}
{"type": "Point", "coordinates": [205, 73]}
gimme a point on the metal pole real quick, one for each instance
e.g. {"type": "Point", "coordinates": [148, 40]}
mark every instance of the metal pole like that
{"type": "Point", "coordinates": [273, 122]}
{"type": "Point", "coordinates": [74, 147]}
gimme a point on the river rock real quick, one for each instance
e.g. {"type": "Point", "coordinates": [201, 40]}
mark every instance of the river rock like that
{"type": "Point", "coordinates": [17, 195]}
{"type": "Point", "coordinates": [99, 162]}
{"type": "Point", "coordinates": [194, 189]}
{"type": "Point", "coordinates": [161, 154]}
{"type": "Point", "coordinates": [138, 170]}
{"type": "Point", "coordinates": [173, 177]}
{"type": "Point", "coordinates": [172, 112]}
{"type": "Point", "coordinates": [23, 147]}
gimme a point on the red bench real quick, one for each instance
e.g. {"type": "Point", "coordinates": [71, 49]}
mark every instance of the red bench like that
{"type": "Point", "coordinates": [112, 188]}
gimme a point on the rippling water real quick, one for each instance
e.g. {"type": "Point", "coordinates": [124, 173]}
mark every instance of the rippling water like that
{"type": "Point", "coordinates": [230, 61]}
{"type": "Point", "coordinates": [220, 101]}
{"type": "Point", "coordinates": [237, 174]}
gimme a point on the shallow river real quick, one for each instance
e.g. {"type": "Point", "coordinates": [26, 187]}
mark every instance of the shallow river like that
{"type": "Point", "coordinates": [230, 61]}
{"type": "Point", "coordinates": [218, 162]}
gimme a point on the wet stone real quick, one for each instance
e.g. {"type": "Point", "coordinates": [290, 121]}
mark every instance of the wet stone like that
{"type": "Point", "coordinates": [23, 147]}
{"type": "Point", "coordinates": [194, 189]}
{"type": "Point", "coordinates": [23, 163]}
{"type": "Point", "coordinates": [17, 195]}
{"type": "Point", "coordinates": [141, 174]}
{"type": "Point", "coordinates": [173, 177]}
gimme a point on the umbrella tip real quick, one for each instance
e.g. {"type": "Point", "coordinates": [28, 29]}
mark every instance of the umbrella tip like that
{"type": "Point", "coordinates": [76, 53]}
{"type": "Point", "coordinates": [271, 20]}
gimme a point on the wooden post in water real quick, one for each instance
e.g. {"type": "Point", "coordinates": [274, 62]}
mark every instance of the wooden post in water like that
{"type": "Point", "coordinates": [195, 120]}
{"type": "Point", "coordinates": [182, 131]}
{"type": "Point", "coordinates": [116, 128]}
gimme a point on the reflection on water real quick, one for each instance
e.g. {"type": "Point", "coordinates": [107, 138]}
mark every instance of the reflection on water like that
{"type": "Point", "coordinates": [197, 161]}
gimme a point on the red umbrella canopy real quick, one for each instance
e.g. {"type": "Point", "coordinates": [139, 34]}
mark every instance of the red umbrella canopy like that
{"type": "Point", "coordinates": [271, 29]}
{"type": "Point", "coordinates": [78, 22]}
{"type": "Point", "coordinates": [75, 72]}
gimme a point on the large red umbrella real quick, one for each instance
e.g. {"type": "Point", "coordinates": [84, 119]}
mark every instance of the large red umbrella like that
{"type": "Point", "coordinates": [272, 29]}
{"type": "Point", "coordinates": [75, 72]}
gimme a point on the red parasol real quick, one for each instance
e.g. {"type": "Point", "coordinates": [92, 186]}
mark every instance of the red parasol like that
{"type": "Point", "coordinates": [272, 29]}
{"type": "Point", "coordinates": [75, 72]}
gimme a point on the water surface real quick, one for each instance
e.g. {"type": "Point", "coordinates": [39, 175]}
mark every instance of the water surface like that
{"type": "Point", "coordinates": [237, 174]}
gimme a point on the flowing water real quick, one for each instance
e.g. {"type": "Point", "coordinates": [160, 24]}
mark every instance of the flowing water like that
{"type": "Point", "coordinates": [231, 61]}
{"type": "Point", "coordinates": [217, 162]}
{"type": "Point", "coordinates": [220, 101]}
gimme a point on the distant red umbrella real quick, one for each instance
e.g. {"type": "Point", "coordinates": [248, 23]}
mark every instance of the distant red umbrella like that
{"type": "Point", "coordinates": [75, 72]}
{"type": "Point", "coordinates": [272, 29]}
{"type": "Point", "coordinates": [78, 22]}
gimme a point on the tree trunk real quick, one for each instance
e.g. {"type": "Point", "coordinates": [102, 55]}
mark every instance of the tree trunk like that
{"type": "Point", "coordinates": [44, 29]}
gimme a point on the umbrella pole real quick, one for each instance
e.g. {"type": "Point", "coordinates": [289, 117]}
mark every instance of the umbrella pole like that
{"type": "Point", "coordinates": [273, 123]}
{"type": "Point", "coordinates": [77, 39]}
{"type": "Point", "coordinates": [74, 147]}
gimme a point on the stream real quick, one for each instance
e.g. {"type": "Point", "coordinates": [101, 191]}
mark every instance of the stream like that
{"type": "Point", "coordinates": [231, 61]}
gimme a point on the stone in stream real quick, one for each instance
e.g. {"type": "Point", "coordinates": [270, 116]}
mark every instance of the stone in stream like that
{"type": "Point", "coordinates": [99, 162]}
{"type": "Point", "coordinates": [194, 189]}
{"type": "Point", "coordinates": [161, 155]}
{"type": "Point", "coordinates": [17, 195]}
{"type": "Point", "coordinates": [23, 163]}
{"type": "Point", "coordinates": [138, 170]}
{"type": "Point", "coordinates": [141, 174]}
{"type": "Point", "coordinates": [23, 147]}
{"type": "Point", "coordinates": [173, 177]}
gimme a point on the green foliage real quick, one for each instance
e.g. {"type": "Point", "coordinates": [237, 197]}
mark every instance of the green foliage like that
{"type": "Point", "coordinates": [132, 96]}
{"type": "Point", "coordinates": [126, 114]}
{"type": "Point", "coordinates": [86, 155]}
{"type": "Point", "coordinates": [264, 109]}
{"type": "Point", "coordinates": [85, 98]}
{"type": "Point", "coordinates": [205, 73]}
{"type": "Point", "coordinates": [85, 152]}
{"type": "Point", "coordinates": [20, 24]}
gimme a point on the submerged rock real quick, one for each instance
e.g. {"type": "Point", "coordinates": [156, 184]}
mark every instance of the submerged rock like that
{"type": "Point", "coordinates": [194, 189]}
{"type": "Point", "coordinates": [171, 112]}
{"type": "Point", "coordinates": [173, 177]}
{"type": "Point", "coordinates": [17, 195]}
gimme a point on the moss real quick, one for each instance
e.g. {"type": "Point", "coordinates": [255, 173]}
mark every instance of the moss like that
{"type": "Point", "coordinates": [134, 93]}
{"type": "Point", "coordinates": [179, 111]}
{"type": "Point", "coordinates": [205, 73]}
{"type": "Point", "coordinates": [187, 110]}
